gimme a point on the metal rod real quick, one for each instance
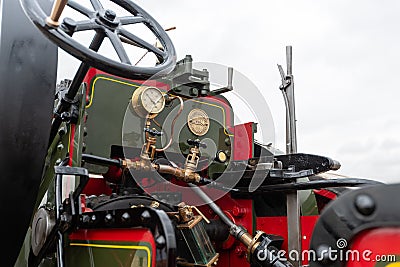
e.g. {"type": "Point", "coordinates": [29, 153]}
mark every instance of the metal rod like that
{"type": "Point", "coordinates": [58, 192]}
{"type": "Point", "coordinates": [291, 116]}
{"type": "Point", "coordinates": [292, 198]}
{"type": "Point", "coordinates": [69, 97]}
{"type": "Point", "coordinates": [289, 60]}
{"type": "Point", "coordinates": [60, 249]}
{"type": "Point", "coordinates": [100, 160]}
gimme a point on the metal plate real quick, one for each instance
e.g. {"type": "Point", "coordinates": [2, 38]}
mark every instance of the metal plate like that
{"type": "Point", "coordinates": [198, 122]}
{"type": "Point", "coordinates": [27, 86]}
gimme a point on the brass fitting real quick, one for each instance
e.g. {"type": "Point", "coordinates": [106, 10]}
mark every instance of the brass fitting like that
{"type": "Point", "coordinates": [185, 175]}
{"type": "Point", "coordinates": [149, 148]}
{"type": "Point", "coordinates": [192, 160]}
{"type": "Point", "coordinates": [144, 164]}
{"type": "Point", "coordinates": [185, 212]}
{"type": "Point", "coordinates": [251, 242]}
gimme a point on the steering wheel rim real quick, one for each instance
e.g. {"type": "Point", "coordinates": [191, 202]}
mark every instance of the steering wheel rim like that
{"type": "Point", "coordinates": [98, 20]}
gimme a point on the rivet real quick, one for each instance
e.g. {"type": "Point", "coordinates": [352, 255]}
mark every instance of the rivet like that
{"type": "Point", "coordinates": [365, 204]}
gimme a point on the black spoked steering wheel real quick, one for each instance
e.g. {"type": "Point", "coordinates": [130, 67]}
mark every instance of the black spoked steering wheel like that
{"type": "Point", "coordinates": [106, 24]}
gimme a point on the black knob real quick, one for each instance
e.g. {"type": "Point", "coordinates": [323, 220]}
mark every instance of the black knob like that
{"type": "Point", "coordinates": [153, 132]}
{"type": "Point", "coordinates": [197, 143]}
{"type": "Point", "coordinates": [110, 15]}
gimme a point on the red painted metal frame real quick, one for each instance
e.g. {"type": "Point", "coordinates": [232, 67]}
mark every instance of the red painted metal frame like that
{"type": "Point", "coordinates": [243, 141]}
{"type": "Point", "coordinates": [325, 193]}
{"type": "Point", "coordinates": [375, 244]}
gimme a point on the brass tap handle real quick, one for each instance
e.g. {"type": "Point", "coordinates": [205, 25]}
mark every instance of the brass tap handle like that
{"type": "Point", "coordinates": [56, 12]}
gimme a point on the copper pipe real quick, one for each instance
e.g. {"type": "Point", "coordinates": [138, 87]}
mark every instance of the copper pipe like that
{"type": "Point", "coordinates": [173, 124]}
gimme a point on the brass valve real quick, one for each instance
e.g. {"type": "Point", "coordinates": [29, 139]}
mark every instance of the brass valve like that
{"type": "Point", "coordinates": [186, 213]}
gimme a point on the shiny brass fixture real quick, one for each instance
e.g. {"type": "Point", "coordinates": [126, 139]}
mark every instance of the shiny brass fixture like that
{"type": "Point", "coordinates": [56, 12]}
{"type": "Point", "coordinates": [188, 173]}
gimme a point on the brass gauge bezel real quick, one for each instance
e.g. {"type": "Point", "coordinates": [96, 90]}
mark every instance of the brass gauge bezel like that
{"type": "Point", "coordinates": [139, 106]}
{"type": "Point", "coordinates": [198, 122]}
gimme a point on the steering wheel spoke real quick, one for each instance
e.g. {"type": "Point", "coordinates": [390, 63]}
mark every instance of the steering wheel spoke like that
{"type": "Point", "coordinates": [81, 9]}
{"type": "Point", "coordinates": [117, 44]}
{"type": "Point", "coordinates": [85, 25]}
{"type": "Point", "coordinates": [96, 5]}
{"type": "Point", "coordinates": [143, 44]}
{"type": "Point", "coordinates": [107, 24]}
{"type": "Point", "coordinates": [131, 20]}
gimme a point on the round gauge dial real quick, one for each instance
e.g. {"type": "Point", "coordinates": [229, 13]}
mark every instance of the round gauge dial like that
{"type": "Point", "coordinates": [148, 101]}
{"type": "Point", "coordinates": [198, 122]}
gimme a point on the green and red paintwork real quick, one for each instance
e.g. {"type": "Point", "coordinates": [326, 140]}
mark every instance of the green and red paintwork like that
{"type": "Point", "coordinates": [104, 127]}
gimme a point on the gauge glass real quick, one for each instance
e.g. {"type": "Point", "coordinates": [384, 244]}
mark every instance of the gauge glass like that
{"type": "Point", "coordinates": [152, 100]}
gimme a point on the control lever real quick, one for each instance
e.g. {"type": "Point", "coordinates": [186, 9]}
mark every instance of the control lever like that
{"type": "Point", "coordinates": [227, 88]}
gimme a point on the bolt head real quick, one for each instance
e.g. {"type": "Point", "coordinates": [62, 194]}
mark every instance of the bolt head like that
{"type": "Point", "coordinates": [108, 218]}
{"type": "Point", "coordinates": [126, 217]}
{"type": "Point", "coordinates": [160, 241]}
{"type": "Point", "coordinates": [145, 217]}
{"type": "Point", "coordinates": [365, 204]}
{"type": "Point", "coordinates": [110, 15]}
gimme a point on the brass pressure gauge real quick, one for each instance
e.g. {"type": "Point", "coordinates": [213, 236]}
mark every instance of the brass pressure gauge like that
{"type": "Point", "coordinates": [148, 101]}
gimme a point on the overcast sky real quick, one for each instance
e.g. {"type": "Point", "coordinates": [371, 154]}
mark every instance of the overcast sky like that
{"type": "Point", "coordinates": [345, 63]}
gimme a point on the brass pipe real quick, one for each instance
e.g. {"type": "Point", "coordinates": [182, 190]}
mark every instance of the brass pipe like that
{"type": "Point", "coordinates": [182, 174]}
{"type": "Point", "coordinates": [56, 12]}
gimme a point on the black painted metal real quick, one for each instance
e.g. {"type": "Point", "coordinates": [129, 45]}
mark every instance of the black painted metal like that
{"type": "Point", "coordinates": [301, 161]}
{"type": "Point", "coordinates": [316, 184]}
{"type": "Point", "coordinates": [352, 213]}
{"type": "Point", "coordinates": [27, 83]}
{"type": "Point", "coordinates": [104, 21]}
{"type": "Point", "coordinates": [69, 98]}
{"type": "Point", "coordinates": [156, 220]}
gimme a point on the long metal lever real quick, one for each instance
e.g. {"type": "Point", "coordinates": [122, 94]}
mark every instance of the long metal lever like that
{"type": "Point", "coordinates": [292, 198]}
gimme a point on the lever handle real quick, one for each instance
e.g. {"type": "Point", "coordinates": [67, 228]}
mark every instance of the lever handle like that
{"type": "Point", "coordinates": [56, 11]}
{"type": "Point", "coordinates": [230, 78]}
{"type": "Point", "coordinates": [228, 87]}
